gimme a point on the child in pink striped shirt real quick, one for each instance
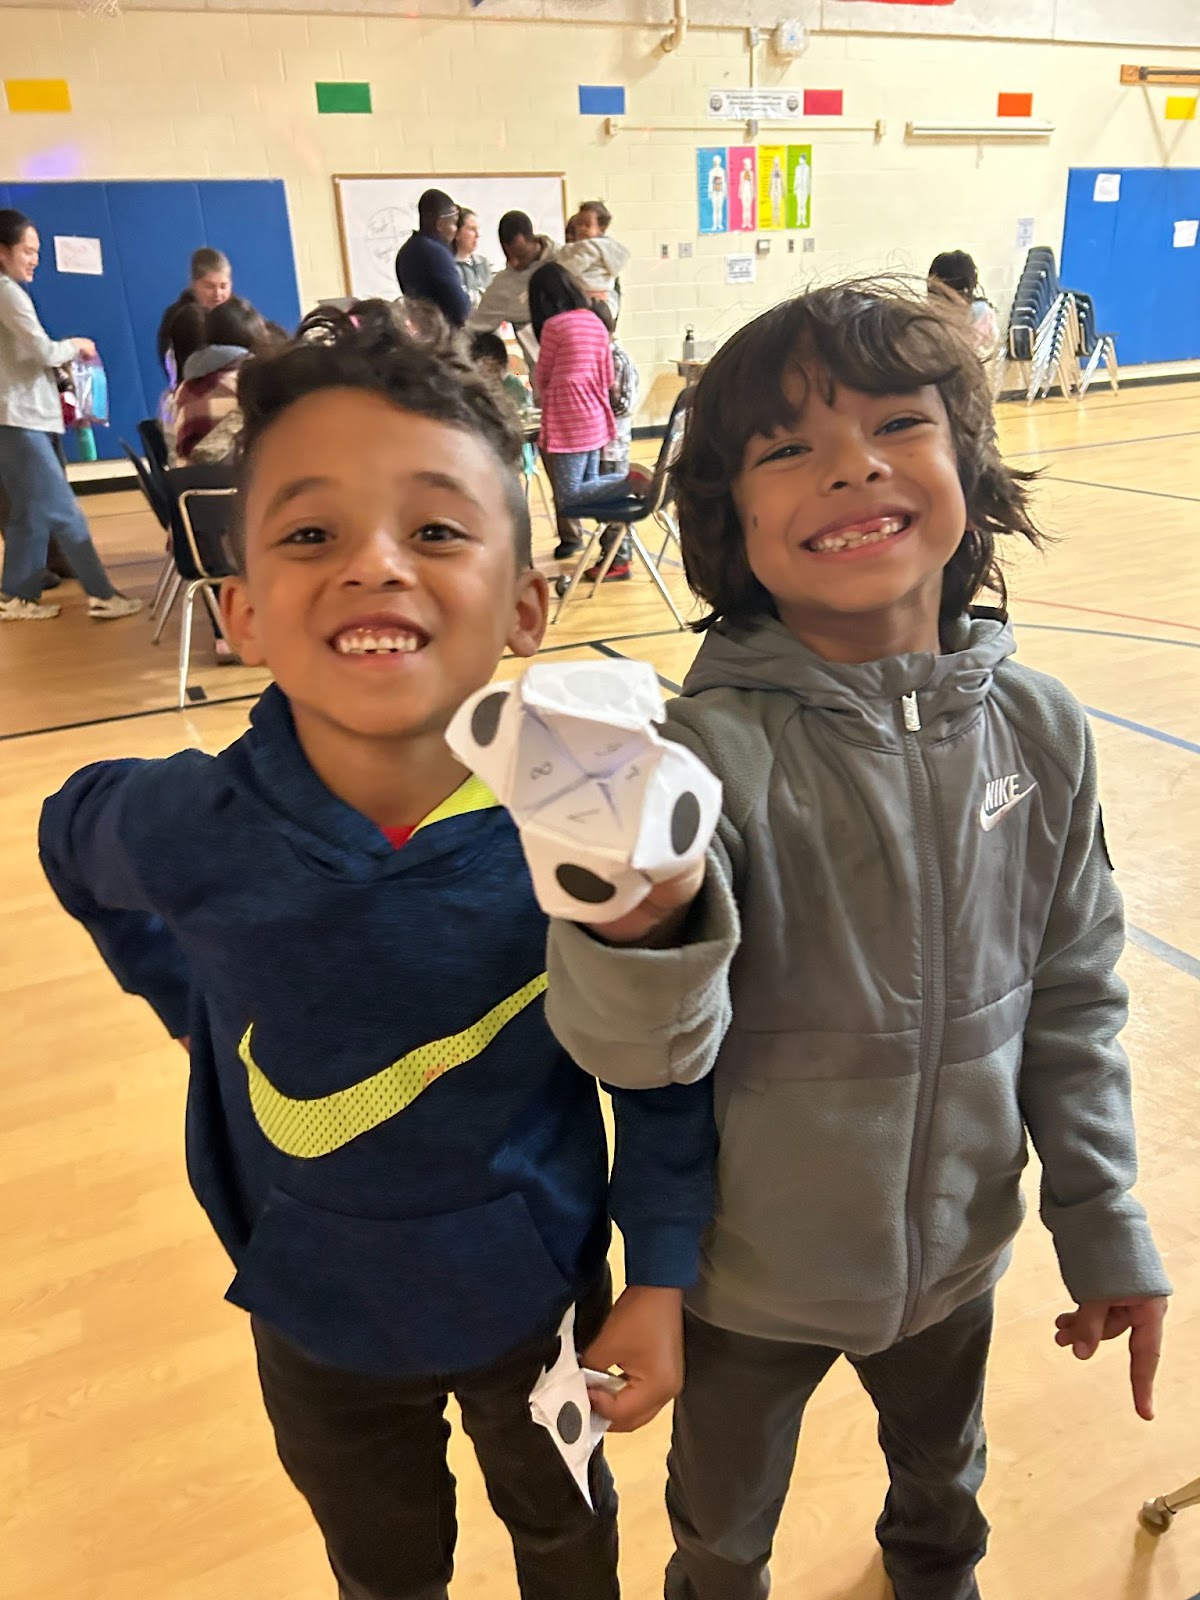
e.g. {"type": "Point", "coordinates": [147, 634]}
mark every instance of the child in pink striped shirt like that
{"type": "Point", "coordinates": [573, 378]}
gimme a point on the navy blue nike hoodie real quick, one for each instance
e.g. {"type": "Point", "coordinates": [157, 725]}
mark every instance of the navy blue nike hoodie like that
{"type": "Point", "coordinates": [406, 1169]}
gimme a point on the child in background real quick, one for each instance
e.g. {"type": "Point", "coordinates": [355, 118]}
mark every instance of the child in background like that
{"type": "Point", "coordinates": [594, 259]}
{"type": "Point", "coordinates": [900, 957]}
{"type": "Point", "coordinates": [956, 271]}
{"type": "Point", "coordinates": [574, 378]}
{"type": "Point", "coordinates": [207, 418]}
{"type": "Point", "coordinates": [490, 355]}
{"type": "Point", "coordinates": [409, 1174]}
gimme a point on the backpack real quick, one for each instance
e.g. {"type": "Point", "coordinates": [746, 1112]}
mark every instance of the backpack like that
{"type": "Point", "coordinates": [623, 396]}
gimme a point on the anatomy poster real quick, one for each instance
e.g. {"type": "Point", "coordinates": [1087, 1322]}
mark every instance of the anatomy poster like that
{"type": "Point", "coordinates": [799, 185]}
{"type": "Point", "coordinates": [712, 189]}
{"type": "Point", "coordinates": [772, 187]}
{"type": "Point", "coordinates": [743, 188]}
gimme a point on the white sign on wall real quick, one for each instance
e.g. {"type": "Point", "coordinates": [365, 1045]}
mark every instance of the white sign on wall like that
{"type": "Point", "coordinates": [75, 254]}
{"type": "Point", "coordinates": [755, 105]}
{"type": "Point", "coordinates": [739, 269]}
{"type": "Point", "coordinates": [1107, 188]}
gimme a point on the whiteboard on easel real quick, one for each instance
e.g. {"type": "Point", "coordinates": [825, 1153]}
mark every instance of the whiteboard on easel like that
{"type": "Point", "coordinates": [377, 214]}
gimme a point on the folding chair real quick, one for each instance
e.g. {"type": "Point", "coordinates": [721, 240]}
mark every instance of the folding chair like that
{"type": "Point", "coordinates": [156, 500]}
{"type": "Point", "coordinates": [1157, 1515]}
{"type": "Point", "coordinates": [625, 512]}
{"type": "Point", "coordinates": [200, 505]}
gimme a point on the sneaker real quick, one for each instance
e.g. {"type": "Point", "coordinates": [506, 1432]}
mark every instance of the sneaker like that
{"type": "Point", "coordinates": [16, 610]}
{"type": "Point", "coordinates": [566, 548]}
{"type": "Point", "coordinates": [617, 573]}
{"type": "Point", "coordinates": [117, 605]}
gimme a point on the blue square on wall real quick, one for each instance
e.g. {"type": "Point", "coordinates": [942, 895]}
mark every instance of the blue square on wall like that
{"type": "Point", "coordinates": [601, 100]}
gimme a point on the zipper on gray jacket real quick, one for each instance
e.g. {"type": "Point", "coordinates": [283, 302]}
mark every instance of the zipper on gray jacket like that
{"type": "Point", "coordinates": [933, 993]}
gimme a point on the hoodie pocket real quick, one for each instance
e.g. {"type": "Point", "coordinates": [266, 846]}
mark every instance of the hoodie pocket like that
{"type": "Point", "coordinates": [436, 1294]}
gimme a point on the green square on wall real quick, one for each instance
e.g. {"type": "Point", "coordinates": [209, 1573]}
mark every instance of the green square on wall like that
{"type": "Point", "coordinates": [344, 97]}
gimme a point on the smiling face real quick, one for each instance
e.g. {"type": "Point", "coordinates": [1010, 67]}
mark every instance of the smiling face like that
{"type": "Point", "coordinates": [381, 582]}
{"type": "Point", "coordinates": [851, 511]}
{"type": "Point", "coordinates": [20, 260]}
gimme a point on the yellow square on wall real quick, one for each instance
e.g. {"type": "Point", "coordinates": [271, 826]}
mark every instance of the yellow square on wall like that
{"type": "Point", "coordinates": [1181, 108]}
{"type": "Point", "coordinates": [38, 94]}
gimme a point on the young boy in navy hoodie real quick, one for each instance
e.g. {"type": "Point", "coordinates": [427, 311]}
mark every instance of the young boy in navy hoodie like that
{"type": "Point", "coordinates": [407, 1171]}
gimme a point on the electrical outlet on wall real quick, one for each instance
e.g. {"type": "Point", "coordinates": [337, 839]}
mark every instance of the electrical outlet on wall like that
{"type": "Point", "coordinates": [664, 251]}
{"type": "Point", "coordinates": [686, 250]}
{"type": "Point", "coordinates": [791, 247]}
{"type": "Point", "coordinates": [810, 244]}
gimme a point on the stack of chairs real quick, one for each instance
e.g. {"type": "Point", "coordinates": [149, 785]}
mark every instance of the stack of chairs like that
{"type": "Point", "coordinates": [1052, 335]}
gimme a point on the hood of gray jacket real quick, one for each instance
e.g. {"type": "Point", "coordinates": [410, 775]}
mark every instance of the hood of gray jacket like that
{"type": "Point", "coordinates": [767, 656]}
{"type": "Point", "coordinates": [212, 358]}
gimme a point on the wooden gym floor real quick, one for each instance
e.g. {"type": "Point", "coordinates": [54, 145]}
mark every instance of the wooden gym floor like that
{"type": "Point", "coordinates": [134, 1457]}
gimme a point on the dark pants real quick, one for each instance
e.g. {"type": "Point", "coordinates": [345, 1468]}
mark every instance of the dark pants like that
{"type": "Point", "coordinates": [369, 1456]}
{"type": "Point", "coordinates": [737, 1424]}
{"type": "Point", "coordinates": [575, 476]}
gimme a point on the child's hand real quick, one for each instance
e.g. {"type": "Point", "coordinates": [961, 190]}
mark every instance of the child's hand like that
{"type": "Point", "coordinates": [643, 1336]}
{"type": "Point", "coordinates": [657, 920]}
{"type": "Point", "coordinates": [1095, 1320]}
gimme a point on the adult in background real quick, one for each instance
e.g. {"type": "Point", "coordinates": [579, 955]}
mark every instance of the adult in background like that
{"type": "Point", "coordinates": [425, 267]}
{"type": "Point", "coordinates": [474, 269]}
{"type": "Point", "coordinates": [210, 284]}
{"type": "Point", "coordinates": [506, 298]}
{"type": "Point", "coordinates": [41, 502]}
{"type": "Point", "coordinates": [574, 378]}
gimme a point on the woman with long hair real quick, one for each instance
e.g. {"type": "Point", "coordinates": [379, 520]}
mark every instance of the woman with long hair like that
{"type": "Point", "coordinates": [40, 501]}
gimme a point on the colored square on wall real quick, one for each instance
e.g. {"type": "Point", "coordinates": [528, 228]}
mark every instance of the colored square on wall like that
{"type": "Point", "coordinates": [822, 102]}
{"type": "Point", "coordinates": [38, 94]}
{"type": "Point", "coordinates": [341, 99]}
{"type": "Point", "coordinates": [1014, 105]}
{"type": "Point", "coordinates": [1181, 108]}
{"type": "Point", "coordinates": [601, 100]}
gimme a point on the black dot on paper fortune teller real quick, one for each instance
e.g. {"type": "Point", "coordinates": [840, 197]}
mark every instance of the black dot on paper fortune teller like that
{"type": "Point", "coordinates": [569, 1422]}
{"type": "Point", "coordinates": [685, 822]}
{"type": "Point", "coordinates": [583, 885]}
{"type": "Point", "coordinates": [485, 718]}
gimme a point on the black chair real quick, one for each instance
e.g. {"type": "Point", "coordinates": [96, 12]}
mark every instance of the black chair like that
{"type": "Point", "coordinates": [625, 512]}
{"type": "Point", "coordinates": [154, 443]}
{"type": "Point", "coordinates": [155, 498]}
{"type": "Point", "coordinates": [200, 503]}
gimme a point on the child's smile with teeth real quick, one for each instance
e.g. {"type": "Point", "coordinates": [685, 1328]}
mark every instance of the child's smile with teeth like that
{"type": "Point", "coordinates": [871, 530]}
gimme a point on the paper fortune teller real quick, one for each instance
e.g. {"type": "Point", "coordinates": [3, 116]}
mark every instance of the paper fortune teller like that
{"type": "Point", "coordinates": [560, 1403]}
{"type": "Point", "coordinates": [604, 805]}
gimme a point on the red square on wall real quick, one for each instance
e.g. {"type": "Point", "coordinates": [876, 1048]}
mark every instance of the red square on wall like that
{"type": "Point", "coordinates": [822, 102]}
{"type": "Point", "coordinates": [1014, 105]}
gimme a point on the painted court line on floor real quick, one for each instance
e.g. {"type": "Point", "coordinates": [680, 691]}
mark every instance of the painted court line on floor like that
{"type": "Point", "coordinates": [1120, 488]}
{"type": "Point", "coordinates": [1102, 633]}
{"type": "Point", "coordinates": [1100, 444]}
{"type": "Point", "coordinates": [1121, 616]}
{"type": "Point", "coordinates": [1141, 727]}
{"type": "Point", "coordinates": [1171, 954]}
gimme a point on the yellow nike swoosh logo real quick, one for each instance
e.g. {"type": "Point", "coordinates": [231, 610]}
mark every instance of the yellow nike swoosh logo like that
{"type": "Point", "coordinates": [311, 1128]}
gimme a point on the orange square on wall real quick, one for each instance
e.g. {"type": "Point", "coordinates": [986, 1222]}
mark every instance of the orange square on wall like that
{"type": "Point", "coordinates": [37, 94]}
{"type": "Point", "coordinates": [1014, 105]}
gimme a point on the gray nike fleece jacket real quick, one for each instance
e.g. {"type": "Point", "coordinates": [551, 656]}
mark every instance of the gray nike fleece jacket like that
{"type": "Point", "coordinates": [901, 965]}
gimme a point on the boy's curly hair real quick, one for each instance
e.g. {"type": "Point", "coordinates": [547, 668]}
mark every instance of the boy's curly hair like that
{"type": "Point", "coordinates": [421, 369]}
{"type": "Point", "coordinates": [876, 335]}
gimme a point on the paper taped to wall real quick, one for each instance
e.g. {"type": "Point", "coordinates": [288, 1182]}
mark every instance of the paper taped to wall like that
{"type": "Point", "coordinates": [1107, 188]}
{"type": "Point", "coordinates": [73, 254]}
{"type": "Point", "coordinates": [1185, 233]}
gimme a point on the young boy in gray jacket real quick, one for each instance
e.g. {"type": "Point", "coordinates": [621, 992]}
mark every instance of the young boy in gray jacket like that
{"type": "Point", "coordinates": [899, 958]}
